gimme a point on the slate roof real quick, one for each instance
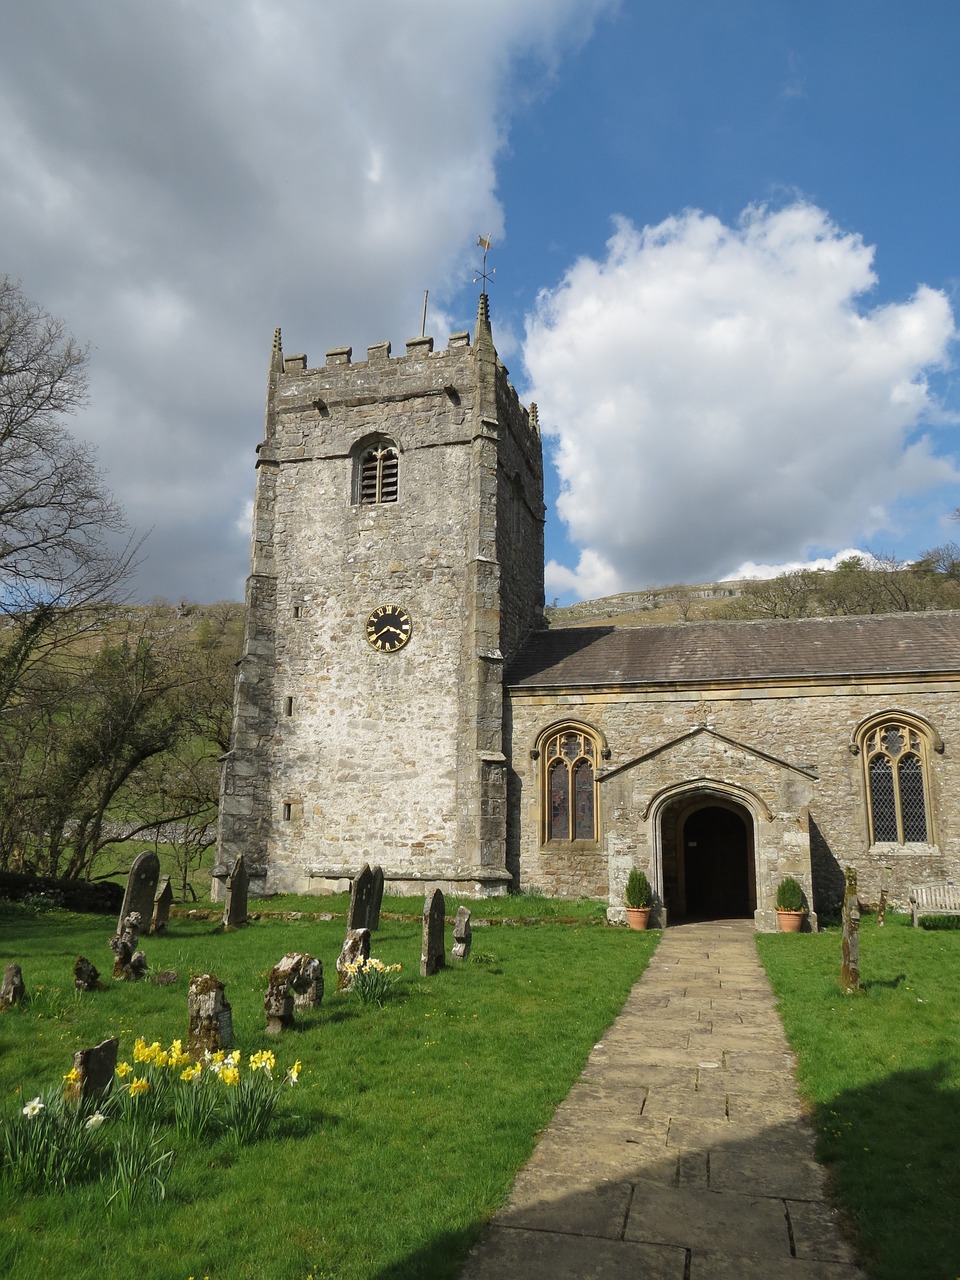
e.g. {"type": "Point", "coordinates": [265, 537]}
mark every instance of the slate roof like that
{"type": "Point", "coordinates": [692, 653]}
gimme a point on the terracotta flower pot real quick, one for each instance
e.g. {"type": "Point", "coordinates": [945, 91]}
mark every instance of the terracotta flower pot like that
{"type": "Point", "coordinates": [790, 921]}
{"type": "Point", "coordinates": [638, 917]}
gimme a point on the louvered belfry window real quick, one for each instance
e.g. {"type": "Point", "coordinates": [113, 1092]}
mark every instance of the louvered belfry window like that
{"type": "Point", "coordinates": [378, 475]}
{"type": "Point", "coordinates": [894, 757]}
{"type": "Point", "coordinates": [570, 801]}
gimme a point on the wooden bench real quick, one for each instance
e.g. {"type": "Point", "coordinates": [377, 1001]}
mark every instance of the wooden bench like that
{"type": "Point", "coordinates": [940, 899]}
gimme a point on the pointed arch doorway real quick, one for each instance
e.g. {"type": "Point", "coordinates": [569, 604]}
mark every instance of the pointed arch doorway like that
{"type": "Point", "coordinates": [708, 859]}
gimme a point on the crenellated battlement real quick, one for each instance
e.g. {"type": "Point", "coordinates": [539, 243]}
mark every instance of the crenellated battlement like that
{"type": "Point", "coordinates": [380, 358]}
{"type": "Point", "coordinates": [379, 353]}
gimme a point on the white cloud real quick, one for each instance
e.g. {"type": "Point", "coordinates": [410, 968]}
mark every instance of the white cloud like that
{"type": "Point", "coordinates": [178, 179]}
{"type": "Point", "coordinates": [750, 569]}
{"type": "Point", "coordinates": [716, 392]}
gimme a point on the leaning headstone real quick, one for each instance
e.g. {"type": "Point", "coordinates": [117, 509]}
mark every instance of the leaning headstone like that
{"type": "Point", "coordinates": [850, 946]}
{"type": "Point", "coordinates": [12, 989]}
{"type": "Point", "coordinates": [86, 976]}
{"type": "Point", "coordinates": [433, 954]}
{"type": "Point", "coordinates": [162, 903]}
{"type": "Point", "coordinates": [295, 982]}
{"type": "Point", "coordinates": [235, 906]}
{"type": "Point", "coordinates": [462, 935]}
{"type": "Point", "coordinates": [376, 899]}
{"type": "Point", "coordinates": [210, 1017]}
{"type": "Point", "coordinates": [356, 947]}
{"type": "Point", "coordinates": [130, 964]}
{"type": "Point", "coordinates": [141, 887]}
{"type": "Point", "coordinates": [361, 893]}
{"type": "Point", "coordinates": [93, 1071]}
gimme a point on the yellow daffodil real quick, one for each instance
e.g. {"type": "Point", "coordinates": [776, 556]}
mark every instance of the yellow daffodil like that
{"type": "Point", "coordinates": [123, 1069]}
{"type": "Point", "coordinates": [139, 1084]}
{"type": "Point", "coordinates": [230, 1075]}
{"type": "Point", "coordinates": [72, 1076]}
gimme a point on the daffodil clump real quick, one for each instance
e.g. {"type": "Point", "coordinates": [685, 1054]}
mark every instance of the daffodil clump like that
{"type": "Point", "coordinates": [371, 979]}
{"type": "Point", "coordinates": [120, 1139]}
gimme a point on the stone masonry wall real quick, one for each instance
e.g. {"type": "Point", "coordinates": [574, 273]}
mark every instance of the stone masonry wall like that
{"type": "Point", "coordinates": [783, 754]}
{"type": "Point", "coordinates": [344, 754]}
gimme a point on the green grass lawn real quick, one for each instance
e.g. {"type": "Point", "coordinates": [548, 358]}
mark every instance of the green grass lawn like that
{"type": "Point", "coordinates": [400, 1140]}
{"type": "Point", "coordinates": [882, 1073]}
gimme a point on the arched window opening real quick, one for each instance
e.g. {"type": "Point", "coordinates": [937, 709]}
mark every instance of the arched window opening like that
{"type": "Point", "coordinates": [570, 786]}
{"type": "Point", "coordinates": [378, 475]}
{"type": "Point", "coordinates": [895, 761]}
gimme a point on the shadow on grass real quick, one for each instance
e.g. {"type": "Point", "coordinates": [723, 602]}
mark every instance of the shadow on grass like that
{"type": "Point", "coordinates": [890, 983]}
{"type": "Point", "coordinates": [891, 1150]}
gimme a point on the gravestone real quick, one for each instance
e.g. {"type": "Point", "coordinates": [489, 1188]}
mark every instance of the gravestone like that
{"type": "Point", "coordinates": [86, 976]}
{"type": "Point", "coordinates": [356, 947]}
{"type": "Point", "coordinates": [235, 906]}
{"type": "Point", "coordinates": [462, 935]}
{"type": "Point", "coordinates": [433, 956]}
{"type": "Point", "coordinates": [361, 893]}
{"type": "Point", "coordinates": [210, 1017]}
{"type": "Point", "coordinates": [12, 990]}
{"type": "Point", "coordinates": [141, 888]}
{"type": "Point", "coordinates": [130, 963]}
{"type": "Point", "coordinates": [95, 1071]}
{"type": "Point", "coordinates": [161, 907]}
{"type": "Point", "coordinates": [295, 982]}
{"type": "Point", "coordinates": [376, 899]}
{"type": "Point", "coordinates": [850, 946]}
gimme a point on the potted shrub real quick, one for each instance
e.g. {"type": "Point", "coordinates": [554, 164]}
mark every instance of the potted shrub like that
{"type": "Point", "coordinates": [790, 905]}
{"type": "Point", "coordinates": [638, 899]}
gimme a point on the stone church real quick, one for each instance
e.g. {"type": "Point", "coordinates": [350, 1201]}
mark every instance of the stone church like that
{"type": "Point", "coordinates": [401, 701]}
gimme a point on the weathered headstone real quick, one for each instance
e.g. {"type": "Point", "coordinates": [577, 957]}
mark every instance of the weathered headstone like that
{"type": "Point", "coordinates": [93, 1071]}
{"type": "Point", "coordinates": [308, 987]}
{"type": "Point", "coordinates": [210, 1017]}
{"type": "Point", "coordinates": [850, 946]}
{"type": "Point", "coordinates": [295, 982]}
{"type": "Point", "coordinates": [356, 947]}
{"type": "Point", "coordinates": [361, 892]}
{"type": "Point", "coordinates": [433, 954]}
{"type": "Point", "coordinates": [141, 888]}
{"type": "Point", "coordinates": [162, 903]}
{"type": "Point", "coordinates": [235, 906]}
{"type": "Point", "coordinates": [86, 976]}
{"type": "Point", "coordinates": [882, 909]}
{"type": "Point", "coordinates": [12, 989]}
{"type": "Point", "coordinates": [376, 898]}
{"type": "Point", "coordinates": [462, 935]}
{"type": "Point", "coordinates": [130, 963]}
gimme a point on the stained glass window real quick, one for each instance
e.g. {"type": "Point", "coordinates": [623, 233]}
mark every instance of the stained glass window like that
{"type": "Point", "coordinates": [894, 760]}
{"type": "Point", "coordinates": [570, 790]}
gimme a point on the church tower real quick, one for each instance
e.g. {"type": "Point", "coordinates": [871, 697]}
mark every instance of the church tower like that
{"type": "Point", "coordinates": [397, 560]}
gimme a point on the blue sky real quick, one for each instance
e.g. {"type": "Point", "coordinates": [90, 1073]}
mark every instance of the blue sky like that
{"type": "Point", "coordinates": [761, 377]}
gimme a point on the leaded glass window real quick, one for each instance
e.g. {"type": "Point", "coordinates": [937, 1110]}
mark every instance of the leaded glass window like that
{"type": "Point", "coordinates": [570, 786]}
{"type": "Point", "coordinates": [894, 758]}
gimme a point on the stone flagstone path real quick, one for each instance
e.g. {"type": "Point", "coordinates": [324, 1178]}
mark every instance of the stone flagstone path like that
{"type": "Point", "coordinates": [681, 1152]}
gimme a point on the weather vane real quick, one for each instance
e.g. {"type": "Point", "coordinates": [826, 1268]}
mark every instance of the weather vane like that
{"type": "Point", "coordinates": [483, 274]}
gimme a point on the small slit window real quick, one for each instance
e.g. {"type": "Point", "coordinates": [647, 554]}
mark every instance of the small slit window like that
{"type": "Point", "coordinates": [378, 473]}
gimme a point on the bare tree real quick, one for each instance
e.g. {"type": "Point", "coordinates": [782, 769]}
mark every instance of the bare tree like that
{"type": "Point", "coordinates": [59, 525]}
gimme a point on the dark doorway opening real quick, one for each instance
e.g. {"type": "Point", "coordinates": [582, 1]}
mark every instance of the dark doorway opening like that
{"type": "Point", "coordinates": [717, 864]}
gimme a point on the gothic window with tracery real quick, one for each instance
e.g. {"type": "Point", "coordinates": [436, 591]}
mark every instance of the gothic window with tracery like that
{"type": "Point", "coordinates": [377, 474]}
{"type": "Point", "coordinates": [569, 801]}
{"type": "Point", "coordinates": [895, 755]}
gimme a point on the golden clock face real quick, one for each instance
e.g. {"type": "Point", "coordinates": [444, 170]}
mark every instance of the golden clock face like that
{"type": "Point", "coordinates": [389, 628]}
